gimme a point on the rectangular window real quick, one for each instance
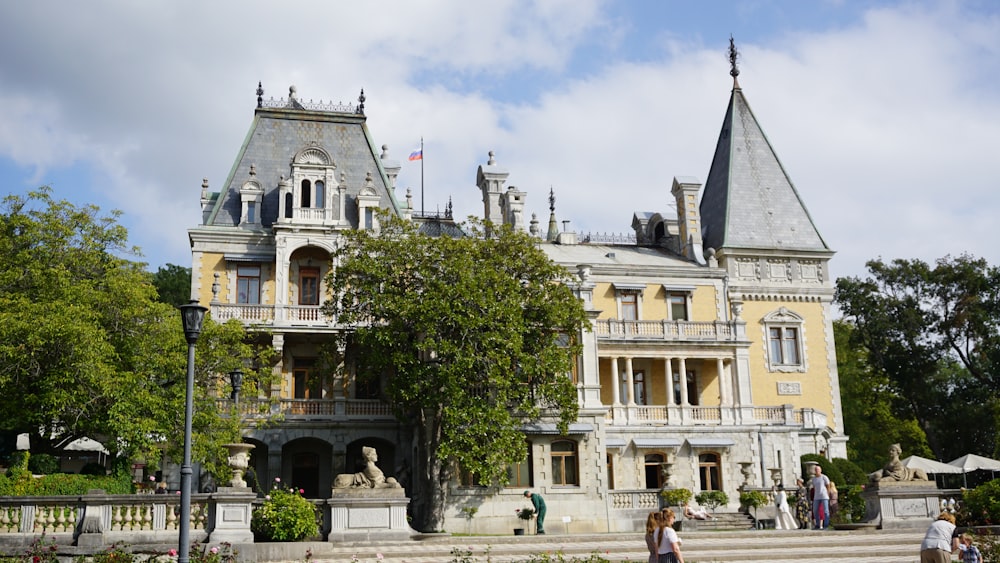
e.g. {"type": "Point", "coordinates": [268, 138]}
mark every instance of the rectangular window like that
{"type": "Point", "coordinates": [678, 306]}
{"type": "Point", "coordinates": [308, 286]}
{"type": "Point", "coordinates": [369, 218]}
{"type": "Point", "coordinates": [467, 478]}
{"type": "Point", "coordinates": [564, 465]}
{"type": "Point", "coordinates": [630, 306]}
{"type": "Point", "coordinates": [784, 345]}
{"type": "Point", "coordinates": [519, 474]}
{"type": "Point", "coordinates": [248, 285]}
{"type": "Point", "coordinates": [251, 212]}
{"type": "Point", "coordinates": [307, 383]}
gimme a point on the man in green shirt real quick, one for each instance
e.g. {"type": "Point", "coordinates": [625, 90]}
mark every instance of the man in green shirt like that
{"type": "Point", "coordinates": [539, 503]}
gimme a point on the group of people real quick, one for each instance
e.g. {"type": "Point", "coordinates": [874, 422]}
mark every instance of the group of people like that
{"type": "Point", "coordinates": [941, 540]}
{"type": "Point", "coordinates": [661, 538]}
{"type": "Point", "coordinates": [824, 496]}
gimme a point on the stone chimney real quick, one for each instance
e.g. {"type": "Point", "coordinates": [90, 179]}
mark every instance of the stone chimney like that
{"type": "Point", "coordinates": [685, 192]}
{"type": "Point", "coordinates": [512, 204]}
{"type": "Point", "coordinates": [490, 179]}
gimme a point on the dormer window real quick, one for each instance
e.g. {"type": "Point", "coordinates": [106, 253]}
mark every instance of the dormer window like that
{"type": "Point", "coordinates": [251, 194]}
{"type": "Point", "coordinates": [303, 197]}
{"type": "Point", "coordinates": [368, 201]}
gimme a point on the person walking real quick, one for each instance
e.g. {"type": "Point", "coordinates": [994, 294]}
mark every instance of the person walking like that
{"type": "Point", "coordinates": [782, 516]}
{"type": "Point", "coordinates": [820, 485]}
{"type": "Point", "coordinates": [802, 504]}
{"type": "Point", "coordinates": [940, 540]}
{"type": "Point", "coordinates": [668, 545]}
{"type": "Point", "coordinates": [539, 503]}
{"type": "Point", "coordinates": [652, 524]}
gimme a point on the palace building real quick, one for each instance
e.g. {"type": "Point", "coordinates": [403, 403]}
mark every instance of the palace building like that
{"type": "Point", "coordinates": [710, 364]}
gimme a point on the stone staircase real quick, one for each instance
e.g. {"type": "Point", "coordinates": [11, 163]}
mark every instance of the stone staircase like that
{"type": "Point", "coordinates": [721, 521]}
{"type": "Point", "coordinates": [773, 546]}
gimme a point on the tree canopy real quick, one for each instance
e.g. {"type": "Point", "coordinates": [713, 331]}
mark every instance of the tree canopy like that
{"type": "Point", "coordinates": [930, 337]}
{"type": "Point", "coordinates": [87, 350]}
{"type": "Point", "coordinates": [173, 284]}
{"type": "Point", "coordinates": [474, 337]}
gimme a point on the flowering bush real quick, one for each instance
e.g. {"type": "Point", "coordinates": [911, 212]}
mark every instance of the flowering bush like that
{"type": "Point", "coordinates": [525, 513]}
{"type": "Point", "coordinates": [285, 515]}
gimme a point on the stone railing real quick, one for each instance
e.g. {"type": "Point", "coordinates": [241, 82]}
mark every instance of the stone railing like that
{"type": "Point", "coordinates": [780, 415]}
{"type": "Point", "coordinates": [271, 315]}
{"type": "Point", "coordinates": [616, 329]}
{"type": "Point", "coordinates": [639, 499]}
{"type": "Point", "coordinates": [100, 519]}
{"type": "Point", "coordinates": [290, 409]}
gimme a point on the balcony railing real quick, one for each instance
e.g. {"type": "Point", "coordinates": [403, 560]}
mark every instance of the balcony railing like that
{"type": "Point", "coordinates": [290, 409]}
{"type": "Point", "coordinates": [272, 315]}
{"type": "Point", "coordinates": [616, 329]}
{"type": "Point", "coordinates": [646, 415]}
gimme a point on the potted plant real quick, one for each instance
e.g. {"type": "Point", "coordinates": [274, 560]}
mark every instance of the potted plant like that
{"type": "Point", "coordinates": [675, 497]}
{"type": "Point", "coordinates": [525, 515]}
{"type": "Point", "coordinates": [753, 499]}
{"type": "Point", "coordinates": [712, 499]}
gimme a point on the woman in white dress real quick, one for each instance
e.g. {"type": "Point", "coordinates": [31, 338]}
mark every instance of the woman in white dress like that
{"type": "Point", "coordinates": [783, 519]}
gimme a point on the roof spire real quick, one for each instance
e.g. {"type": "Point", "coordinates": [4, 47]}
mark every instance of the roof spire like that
{"type": "Point", "coordinates": [260, 94]}
{"type": "Point", "coordinates": [734, 70]}
{"type": "Point", "coordinates": [361, 103]}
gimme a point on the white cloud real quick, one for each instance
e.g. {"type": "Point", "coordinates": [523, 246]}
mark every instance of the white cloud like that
{"type": "Point", "coordinates": [886, 126]}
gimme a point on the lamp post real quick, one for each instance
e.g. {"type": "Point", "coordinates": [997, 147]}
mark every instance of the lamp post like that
{"type": "Point", "coordinates": [192, 315]}
{"type": "Point", "coordinates": [236, 380]}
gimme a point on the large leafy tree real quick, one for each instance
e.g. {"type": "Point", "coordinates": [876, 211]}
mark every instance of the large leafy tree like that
{"type": "Point", "coordinates": [930, 336]}
{"type": "Point", "coordinates": [870, 407]}
{"type": "Point", "coordinates": [173, 284]}
{"type": "Point", "coordinates": [87, 350]}
{"type": "Point", "coordinates": [475, 336]}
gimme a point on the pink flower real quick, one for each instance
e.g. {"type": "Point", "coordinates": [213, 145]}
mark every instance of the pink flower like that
{"type": "Point", "coordinates": [277, 479]}
{"type": "Point", "coordinates": [379, 556]}
{"type": "Point", "coordinates": [178, 492]}
{"type": "Point", "coordinates": [268, 497]}
{"type": "Point", "coordinates": [302, 491]}
{"type": "Point", "coordinates": [172, 553]}
{"type": "Point", "coordinates": [214, 550]}
{"type": "Point", "coordinates": [152, 477]}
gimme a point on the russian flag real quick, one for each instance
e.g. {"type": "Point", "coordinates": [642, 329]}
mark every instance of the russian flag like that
{"type": "Point", "coordinates": [417, 154]}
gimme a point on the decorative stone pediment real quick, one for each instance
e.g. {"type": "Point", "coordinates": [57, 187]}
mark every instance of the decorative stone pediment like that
{"type": "Point", "coordinates": [782, 315]}
{"type": "Point", "coordinates": [313, 155]}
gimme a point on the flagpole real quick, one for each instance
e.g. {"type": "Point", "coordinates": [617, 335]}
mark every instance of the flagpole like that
{"type": "Point", "coordinates": [421, 175]}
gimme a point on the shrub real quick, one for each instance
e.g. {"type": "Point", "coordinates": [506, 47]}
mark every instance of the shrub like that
{"type": "Point", "coordinates": [115, 553]}
{"type": "Point", "coordinates": [981, 506]}
{"type": "Point", "coordinates": [675, 497]}
{"type": "Point", "coordinates": [853, 475]}
{"type": "Point", "coordinates": [285, 516]}
{"type": "Point", "coordinates": [753, 499]}
{"type": "Point", "coordinates": [525, 513]}
{"type": "Point", "coordinates": [829, 469]}
{"type": "Point", "coordinates": [93, 468]}
{"type": "Point", "coordinates": [712, 499]}
{"type": "Point", "coordinates": [43, 464]}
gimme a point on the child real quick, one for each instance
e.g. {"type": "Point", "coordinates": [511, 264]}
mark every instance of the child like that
{"type": "Point", "coordinates": [970, 553]}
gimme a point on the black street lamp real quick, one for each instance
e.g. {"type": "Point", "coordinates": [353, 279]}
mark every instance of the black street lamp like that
{"type": "Point", "coordinates": [236, 380]}
{"type": "Point", "coordinates": [192, 315]}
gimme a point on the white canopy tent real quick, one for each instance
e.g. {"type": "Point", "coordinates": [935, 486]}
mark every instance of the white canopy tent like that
{"type": "Point", "coordinates": [973, 462]}
{"type": "Point", "coordinates": [930, 466]}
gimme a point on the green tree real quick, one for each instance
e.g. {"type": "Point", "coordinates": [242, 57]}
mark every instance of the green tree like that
{"type": "Point", "coordinates": [86, 350]}
{"type": "Point", "coordinates": [930, 336]}
{"type": "Point", "coordinates": [476, 336]}
{"type": "Point", "coordinates": [173, 284]}
{"type": "Point", "coordinates": [870, 417]}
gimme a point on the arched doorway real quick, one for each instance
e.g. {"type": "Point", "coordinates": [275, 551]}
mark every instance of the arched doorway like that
{"type": "Point", "coordinates": [305, 464]}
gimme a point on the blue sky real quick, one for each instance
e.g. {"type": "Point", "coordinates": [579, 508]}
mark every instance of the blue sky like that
{"type": "Point", "coordinates": [885, 114]}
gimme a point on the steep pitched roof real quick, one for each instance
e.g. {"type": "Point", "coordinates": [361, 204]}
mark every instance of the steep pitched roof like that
{"type": "Point", "coordinates": [749, 201]}
{"type": "Point", "coordinates": [277, 133]}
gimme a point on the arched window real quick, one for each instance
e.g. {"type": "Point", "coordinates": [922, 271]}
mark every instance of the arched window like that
{"type": "Point", "coordinates": [710, 471]}
{"type": "Point", "coordinates": [320, 194]}
{"type": "Point", "coordinates": [654, 475]}
{"type": "Point", "coordinates": [564, 463]}
{"type": "Point", "coordinates": [306, 188]}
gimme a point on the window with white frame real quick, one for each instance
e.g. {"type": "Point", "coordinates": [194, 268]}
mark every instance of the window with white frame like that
{"type": "Point", "coordinates": [629, 298]}
{"type": "Point", "coordinates": [678, 302]}
{"type": "Point", "coordinates": [784, 341]}
{"type": "Point", "coordinates": [565, 470]}
{"type": "Point", "coordinates": [248, 284]}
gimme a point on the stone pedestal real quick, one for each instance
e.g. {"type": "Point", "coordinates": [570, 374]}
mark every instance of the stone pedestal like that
{"type": "Point", "coordinates": [230, 515]}
{"type": "Point", "coordinates": [901, 504]}
{"type": "Point", "coordinates": [369, 515]}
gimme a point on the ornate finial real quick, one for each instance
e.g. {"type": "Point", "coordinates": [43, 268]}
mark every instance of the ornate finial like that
{"type": "Point", "coordinates": [253, 170]}
{"type": "Point", "coordinates": [385, 152]}
{"type": "Point", "coordinates": [447, 210]}
{"type": "Point", "coordinates": [291, 92]}
{"type": "Point", "coordinates": [260, 94]}
{"type": "Point", "coordinates": [204, 183]}
{"type": "Point", "coordinates": [369, 182]}
{"type": "Point", "coordinates": [534, 225]}
{"type": "Point", "coordinates": [492, 160]}
{"type": "Point", "coordinates": [552, 200]}
{"type": "Point", "coordinates": [215, 288]}
{"type": "Point", "coordinates": [734, 70]}
{"type": "Point", "coordinates": [361, 102]}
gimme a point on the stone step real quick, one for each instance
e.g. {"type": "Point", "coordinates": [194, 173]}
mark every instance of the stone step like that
{"type": "Point", "coordinates": [698, 547]}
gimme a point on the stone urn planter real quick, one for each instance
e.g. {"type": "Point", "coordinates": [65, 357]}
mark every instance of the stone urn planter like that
{"type": "Point", "coordinates": [239, 460]}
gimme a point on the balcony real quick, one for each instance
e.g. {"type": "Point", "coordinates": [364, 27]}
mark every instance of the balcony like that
{"type": "Point", "coordinates": [676, 415]}
{"type": "Point", "coordinates": [311, 409]}
{"type": "Point", "coordinates": [271, 315]}
{"type": "Point", "coordinates": [668, 331]}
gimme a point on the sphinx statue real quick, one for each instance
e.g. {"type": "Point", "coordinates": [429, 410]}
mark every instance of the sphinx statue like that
{"type": "Point", "coordinates": [895, 470]}
{"type": "Point", "coordinates": [371, 477]}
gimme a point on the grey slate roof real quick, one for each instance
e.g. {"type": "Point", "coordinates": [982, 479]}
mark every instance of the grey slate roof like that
{"type": "Point", "coordinates": [276, 135]}
{"type": "Point", "coordinates": [749, 201]}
